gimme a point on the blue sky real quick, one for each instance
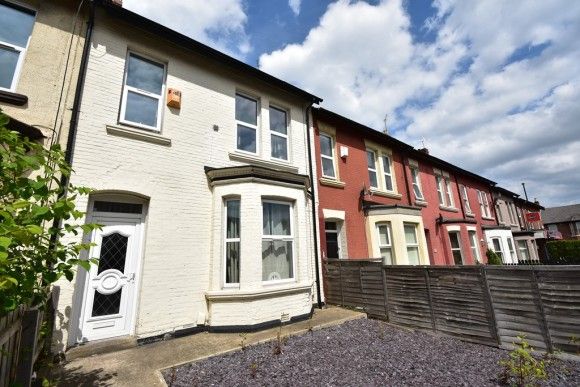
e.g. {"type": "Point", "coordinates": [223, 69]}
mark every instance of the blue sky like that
{"type": "Point", "coordinates": [491, 86]}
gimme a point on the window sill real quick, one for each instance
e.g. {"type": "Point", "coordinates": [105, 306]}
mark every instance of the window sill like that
{"type": "Point", "coordinates": [270, 291]}
{"type": "Point", "coordinates": [385, 194]}
{"type": "Point", "coordinates": [138, 134]}
{"type": "Point", "coordinates": [13, 98]}
{"type": "Point", "coordinates": [421, 203]}
{"type": "Point", "coordinates": [250, 159]}
{"type": "Point", "coordinates": [332, 182]}
{"type": "Point", "coordinates": [450, 209]}
{"type": "Point", "coordinates": [487, 218]}
{"type": "Point", "coordinates": [467, 215]}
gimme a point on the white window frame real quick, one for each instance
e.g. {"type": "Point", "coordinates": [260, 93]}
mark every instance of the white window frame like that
{"type": "Point", "coordinates": [460, 249]}
{"type": "Point", "coordinates": [21, 50]}
{"type": "Point", "coordinates": [500, 252]}
{"type": "Point", "coordinates": [389, 237]}
{"type": "Point", "coordinates": [126, 88]}
{"type": "Point", "coordinates": [487, 208]}
{"type": "Point", "coordinates": [226, 240]}
{"type": "Point", "coordinates": [256, 127]}
{"type": "Point", "coordinates": [448, 192]}
{"type": "Point", "coordinates": [511, 248]}
{"type": "Point", "coordinates": [278, 134]}
{"type": "Point", "coordinates": [289, 238]}
{"type": "Point", "coordinates": [498, 212]}
{"type": "Point", "coordinates": [465, 199]}
{"type": "Point", "coordinates": [375, 169]}
{"type": "Point", "coordinates": [472, 234]}
{"type": "Point", "coordinates": [336, 231]}
{"type": "Point", "coordinates": [416, 179]}
{"type": "Point", "coordinates": [331, 158]}
{"type": "Point", "coordinates": [512, 213]}
{"type": "Point", "coordinates": [440, 194]}
{"type": "Point", "coordinates": [484, 204]}
{"type": "Point", "coordinates": [524, 248]}
{"type": "Point", "coordinates": [407, 245]}
{"type": "Point", "coordinates": [384, 174]}
{"type": "Point", "coordinates": [577, 226]}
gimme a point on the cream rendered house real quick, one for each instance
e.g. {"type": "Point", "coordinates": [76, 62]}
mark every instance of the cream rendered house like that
{"type": "Point", "coordinates": [206, 204]}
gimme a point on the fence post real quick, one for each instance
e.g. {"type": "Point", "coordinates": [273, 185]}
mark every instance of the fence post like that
{"type": "Point", "coordinates": [340, 274]}
{"type": "Point", "coordinates": [545, 330]}
{"type": "Point", "coordinates": [28, 343]}
{"type": "Point", "coordinates": [427, 282]}
{"type": "Point", "coordinates": [489, 305]}
{"type": "Point", "coordinates": [384, 272]}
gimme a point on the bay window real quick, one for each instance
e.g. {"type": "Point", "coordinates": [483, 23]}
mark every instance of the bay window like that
{"type": "Point", "coordinates": [385, 243]}
{"type": "Point", "coordinates": [513, 255]}
{"type": "Point", "coordinates": [143, 92]}
{"type": "Point", "coordinates": [455, 241]}
{"type": "Point", "coordinates": [232, 241]}
{"type": "Point", "coordinates": [277, 241]}
{"type": "Point", "coordinates": [524, 252]}
{"type": "Point", "coordinates": [16, 25]}
{"type": "Point", "coordinates": [474, 246]}
{"type": "Point", "coordinates": [412, 243]}
{"type": "Point", "coordinates": [278, 133]}
{"type": "Point", "coordinates": [496, 242]}
{"type": "Point", "coordinates": [246, 123]}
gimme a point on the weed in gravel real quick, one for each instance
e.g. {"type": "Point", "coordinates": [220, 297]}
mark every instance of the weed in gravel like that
{"type": "Point", "coordinates": [243, 337]}
{"type": "Point", "coordinates": [382, 331]}
{"type": "Point", "coordinates": [172, 377]}
{"type": "Point", "coordinates": [254, 370]}
{"type": "Point", "coordinates": [279, 342]}
{"type": "Point", "coordinates": [575, 341]}
{"type": "Point", "coordinates": [522, 368]}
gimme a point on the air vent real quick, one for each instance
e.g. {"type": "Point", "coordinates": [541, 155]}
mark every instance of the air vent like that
{"type": "Point", "coordinates": [285, 317]}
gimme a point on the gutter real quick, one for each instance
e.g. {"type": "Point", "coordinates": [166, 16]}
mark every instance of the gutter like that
{"type": "Point", "coordinates": [314, 216]}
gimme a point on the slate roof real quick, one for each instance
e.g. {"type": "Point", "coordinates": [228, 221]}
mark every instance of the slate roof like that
{"type": "Point", "coordinates": [561, 214]}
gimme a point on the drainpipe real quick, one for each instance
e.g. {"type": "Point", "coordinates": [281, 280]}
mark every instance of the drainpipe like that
{"type": "Point", "coordinates": [74, 121]}
{"type": "Point", "coordinates": [409, 189]}
{"type": "Point", "coordinates": [314, 216]}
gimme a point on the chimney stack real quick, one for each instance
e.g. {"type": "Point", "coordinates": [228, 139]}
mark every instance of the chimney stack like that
{"type": "Point", "coordinates": [118, 3]}
{"type": "Point", "coordinates": [424, 150]}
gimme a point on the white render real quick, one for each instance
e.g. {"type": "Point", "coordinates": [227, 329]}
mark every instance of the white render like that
{"type": "Point", "coordinates": [503, 236]}
{"type": "Point", "coordinates": [179, 285]}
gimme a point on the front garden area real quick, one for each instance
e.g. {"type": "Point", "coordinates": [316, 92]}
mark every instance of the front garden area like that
{"type": "Point", "coordinates": [365, 352]}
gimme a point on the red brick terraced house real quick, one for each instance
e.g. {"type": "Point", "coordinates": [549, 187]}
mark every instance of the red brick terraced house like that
{"type": "Point", "coordinates": [382, 198]}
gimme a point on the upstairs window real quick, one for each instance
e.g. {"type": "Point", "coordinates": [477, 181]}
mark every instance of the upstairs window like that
{"type": "Point", "coordinates": [387, 174]}
{"type": "Point", "coordinates": [440, 188]}
{"type": "Point", "coordinates": [277, 241]}
{"type": "Point", "coordinates": [279, 133]}
{"type": "Point", "coordinates": [247, 123]}
{"type": "Point", "coordinates": [327, 156]}
{"type": "Point", "coordinates": [465, 199]}
{"type": "Point", "coordinates": [16, 25]}
{"type": "Point", "coordinates": [416, 183]}
{"type": "Point", "coordinates": [143, 92]}
{"type": "Point", "coordinates": [499, 213]}
{"type": "Point", "coordinates": [372, 168]}
{"type": "Point", "coordinates": [448, 193]}
{"type": "Point", "coordinates": [484, 204]}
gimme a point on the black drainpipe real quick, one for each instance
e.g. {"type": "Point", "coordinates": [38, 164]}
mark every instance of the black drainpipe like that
{"type": "Point", "coordinates": [407, 188]}
{"type": "Point", "coordinates": [314, 217]}
{"type": "Point", "coordinates": [74, 121]}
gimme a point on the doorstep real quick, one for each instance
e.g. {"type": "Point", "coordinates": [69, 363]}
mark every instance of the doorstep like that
{"type": "Point", "coordinates": [100, 347]}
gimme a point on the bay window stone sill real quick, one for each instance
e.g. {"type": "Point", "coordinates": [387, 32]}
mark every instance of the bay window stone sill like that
{"type": "Point", "coordinates": [421, 203]}
{"type": "Point", "coordinates": [138, 134]}
{"type": "Point", "coordinates": [270, 291]}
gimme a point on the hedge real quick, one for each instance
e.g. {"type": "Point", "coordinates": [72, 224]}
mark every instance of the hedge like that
{"type": "Point", "coordinates": [563, 252]}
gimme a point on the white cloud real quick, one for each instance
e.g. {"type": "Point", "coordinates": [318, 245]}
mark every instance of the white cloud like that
{"type": "Point", "coordinates": [295, 6]}
{"type": "Point", "coordinates": [219, 23]}
{"type": "Point", "coordinates": [509, 121]}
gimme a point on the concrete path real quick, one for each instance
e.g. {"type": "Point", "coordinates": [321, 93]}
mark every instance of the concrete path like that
{"type": "Point", "coordinates": [140, 366]}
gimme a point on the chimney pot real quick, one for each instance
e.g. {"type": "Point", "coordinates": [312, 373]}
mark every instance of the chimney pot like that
{"type": "Point", "coordinates": [118, 3]}
{"type": "Point", "coordinates": [424, 150]}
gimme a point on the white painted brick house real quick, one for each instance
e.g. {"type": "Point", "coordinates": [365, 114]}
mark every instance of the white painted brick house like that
{"type": "Point", "coordinates": [207, 208]}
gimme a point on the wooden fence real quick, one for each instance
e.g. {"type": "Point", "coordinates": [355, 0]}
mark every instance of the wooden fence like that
{"type": "Point", "coordinates": [21, 342]}
{"type": "Point", "coordinates": [489, 305]}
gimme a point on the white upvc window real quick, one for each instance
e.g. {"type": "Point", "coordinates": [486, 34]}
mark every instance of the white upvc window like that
{"type": "Point", "coordinates": [143, 92]}
{"type": "Point", "coordinates": [372, 168]}
{"type": "Point", "coordinates": [474, 245]}
{"type": "Point", "coordinates": [387, 174]}
{"type": "Point", "coordinates": [455, 240]}
{"type": "Point", "coordinates": [232, 242]}
{"type": "Point", "coordinates": [465, 199]}
{"type": "Point", "coordinates": [385, 243]}
{"type": "Point", "coordinates": [486, 204]}
{"type": "Point", "coordinates": [483, 204]}
{"type": "Point", "coordinates": [513, 255]}
{"type": "Point", "coordinates": [499, 212]}
{"type": "Point", "coordinates": [412, 243]}
{"type": "Point", "coordinates": [16, 24]}
{"type": "Point", "coordinates": [449, 193]}
{"type": "Point", "coordinates": [246, 123]}
{"type": "Point", "coordinates": [512, 213]}
{"type": "Point", "coordinates": [523, 248]}
{"type": "Point", "coordinates": [277, 241]}
{"type": "Point", "coordinates": [496, 242]}
{"type": "Point", "coordinates": [279, 133]}
{"type": "Point", "coordinates": [439, 182]}
{"type": "Point", "coordinates": [417, 189]}
{"type": "Point", "coordinates": [327, 155]}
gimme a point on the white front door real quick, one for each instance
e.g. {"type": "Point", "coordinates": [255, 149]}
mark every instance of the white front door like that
{"type": "Point", "coordinates": [109, 296]}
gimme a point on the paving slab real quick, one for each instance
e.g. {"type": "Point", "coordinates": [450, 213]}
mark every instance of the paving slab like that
{"type": "Point", "coordinates": [141, 365]}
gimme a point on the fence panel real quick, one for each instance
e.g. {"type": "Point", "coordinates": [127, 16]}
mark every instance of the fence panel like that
{"type": "Point", "coordinates": [9, 344]}
{"type": "Point", "coordinates": [408, 297]}
{"type": "Point", "coordinates": [373, 292]}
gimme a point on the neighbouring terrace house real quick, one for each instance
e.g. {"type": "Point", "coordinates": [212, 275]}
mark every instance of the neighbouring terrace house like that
{"type": "Point", "coordinates": [562, 222]}
{"type": "Point", "coordinates": [41, 44]}
{"type": "Point", "coordinates": [200, 170]}
{"type": "Point", "coordinates": [511, 213]}
{"type": "Point", "coordinates": [381, 198]}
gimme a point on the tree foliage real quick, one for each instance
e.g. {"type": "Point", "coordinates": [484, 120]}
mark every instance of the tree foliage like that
{"type": "Point", "coordinates": [33, 254]}
{"type": "Point", "coordinates": [493, 258]}
{"type": "Point", "coordinates": [566, 252]}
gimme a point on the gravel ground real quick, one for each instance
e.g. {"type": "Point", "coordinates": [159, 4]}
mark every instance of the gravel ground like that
{"type": "Point", "coordinates": [360, 352]}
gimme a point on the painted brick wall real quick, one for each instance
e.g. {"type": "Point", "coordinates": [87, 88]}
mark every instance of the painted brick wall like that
{"type": "Point", "coordinates": [177, 262]}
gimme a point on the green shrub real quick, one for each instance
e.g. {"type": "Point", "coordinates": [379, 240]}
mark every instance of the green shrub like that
{"type": "Point", "coordinates": [32, 254]}
{"type": "Point", "coordinates": [563, 252]}
{"type": "Point", "coordinates": [522, 368]}
{"type": "Point", "coordinates": [492, 257]}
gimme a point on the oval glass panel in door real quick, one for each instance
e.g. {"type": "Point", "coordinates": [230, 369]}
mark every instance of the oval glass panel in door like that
{"type": "Point", "coordinates": [113, 256]}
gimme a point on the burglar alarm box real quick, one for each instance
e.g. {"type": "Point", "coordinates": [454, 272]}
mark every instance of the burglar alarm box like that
{"type": "Point", "coordinates": [174, 98]}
